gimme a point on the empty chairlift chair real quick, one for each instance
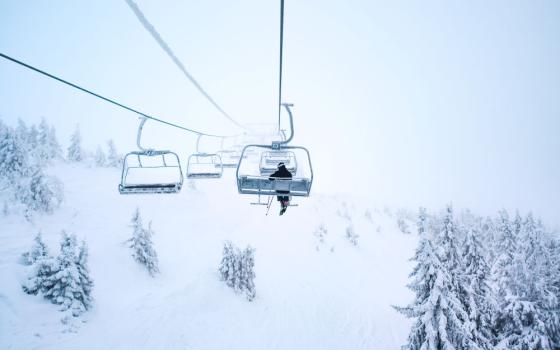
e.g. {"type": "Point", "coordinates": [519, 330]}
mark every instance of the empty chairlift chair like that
{"type": "Point", "coordinates": [150, 171]}
{"type": "Point", "coordinates": [252, 181]}
{"type": "Point", "coordinates": [202, 165]}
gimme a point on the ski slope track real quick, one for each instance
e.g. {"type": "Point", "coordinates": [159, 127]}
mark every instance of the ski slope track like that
{"type": "Point", "coordinates": [310, 294]}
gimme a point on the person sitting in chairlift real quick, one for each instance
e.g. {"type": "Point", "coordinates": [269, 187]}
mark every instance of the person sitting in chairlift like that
{"type": "Point", "coordinates": [282, 173]}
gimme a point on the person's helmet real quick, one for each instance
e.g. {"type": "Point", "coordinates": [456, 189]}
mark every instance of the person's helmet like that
{"type": "Point", "coordinates": [281, 164]}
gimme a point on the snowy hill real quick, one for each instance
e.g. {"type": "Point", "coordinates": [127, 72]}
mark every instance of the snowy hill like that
{"type": "Point", "coordinates": [312, 291]}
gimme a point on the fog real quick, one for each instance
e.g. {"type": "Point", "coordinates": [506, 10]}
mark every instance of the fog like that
{"type": "Point", "coordinates": [404, 103]}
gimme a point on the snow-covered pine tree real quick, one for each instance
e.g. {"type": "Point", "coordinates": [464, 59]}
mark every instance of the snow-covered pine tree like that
{"type": "Point", "coordinates": [438, 312]}
{"type": "Point", "coordinates": [40, 193]}
{"type": "Point", "coordinates": [247, 282]}
{"type": "Point", "coordinates": [477, 291]}
{"type": "Point", "coordinates": [39, 278]}
{"type": "Point", "coordinates": [446, 241]}
{"type": "Point", "coordinates": [42, 266]}
{"type": "Point", "coordinates": [55, 151]}
{"type": "Point", "coordinates": [228, 265]}
{"type": "Point", "coordinates": [100, 159]}
{"type": "Point", "coordinates": [142, 246]}
{"type": "Point", "coordinates": [75, 152]}
{"type": "Point", "coordinates": [552, 307]}
{"type": "Point", "coordinates": [38, 251]}
{"type": "Point", "coordinates": [237, 269]}
{"type": "Point", "coordinates": [520, 320]}
{"type": "Point", "coordinates": [48, 147]}
{"type": "Point", "coordinates": [14, 159]}
{"type": "Point", "coordinates": [32, 144]}
{"type": "Point", "coordinates": [488, 237]}
{"type": "Point", "coordinates": [66, 288]}
{"type": "Point", "coordinates": [43, 141]}
{"type": "Point", "coordinates": [86, 282]}
{"type": "Point", "coordinates": [113, 158]}
{"type": "Point", "coordinates": [351, 234]}
{"type": "Point", "coordinates": [422, 222]}
{"type": "Point", "coordinates": [22, 131]}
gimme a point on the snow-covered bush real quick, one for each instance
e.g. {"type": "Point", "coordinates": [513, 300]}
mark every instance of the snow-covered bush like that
{"type": "Point", "coordinates": [141, 244]}
{"type": "Point", "coordinates": [237, 269]}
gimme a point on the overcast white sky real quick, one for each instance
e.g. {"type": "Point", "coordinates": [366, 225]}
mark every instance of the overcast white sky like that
{"type": "Point", "coordinates": [405, 102]}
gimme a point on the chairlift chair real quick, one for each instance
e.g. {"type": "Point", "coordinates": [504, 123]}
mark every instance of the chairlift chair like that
{"type": "Point", "coordinates": [150, 171]}
{"type": "Point", "coordinates": [202, 165]}
{"type": "Point", "coordinates": [262, 185]}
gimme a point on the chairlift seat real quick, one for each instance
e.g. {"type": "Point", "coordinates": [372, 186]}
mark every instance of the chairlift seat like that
{"type": "Point", "coordinates": [263, 185]}
{"type": "Point", "coordinates": [149, 188]}
{"type": "Point", "coordinates": [156, 168]}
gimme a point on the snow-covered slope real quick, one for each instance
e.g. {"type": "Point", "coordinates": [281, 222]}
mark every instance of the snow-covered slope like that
{"type": "Point", "coordinates": [310, 294]}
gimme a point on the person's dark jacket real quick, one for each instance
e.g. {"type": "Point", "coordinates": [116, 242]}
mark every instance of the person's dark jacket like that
{"type": "Point", "coordinates": [281, 173]}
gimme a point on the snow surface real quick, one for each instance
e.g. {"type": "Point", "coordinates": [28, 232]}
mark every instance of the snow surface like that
{"type": "Point", "coordinates": [310, 295]}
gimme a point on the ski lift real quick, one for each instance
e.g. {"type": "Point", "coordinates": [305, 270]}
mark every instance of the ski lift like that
{"type": "Point", "coordinates": [259, 184]}
{"type": "Point", "coordinates": [149, 171]}
{"type": "Point", "coordinates": [202, 165]}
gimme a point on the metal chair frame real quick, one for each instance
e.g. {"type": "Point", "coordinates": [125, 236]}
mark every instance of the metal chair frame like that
{"type": "Point", "coordinates": [215, 160]}
{"type": "Point", "coordinates": [149, 188]}
{"type": "Point", "coordinates": [264, 185]}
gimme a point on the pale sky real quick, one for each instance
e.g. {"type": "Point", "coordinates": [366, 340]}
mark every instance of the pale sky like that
{"type": "Point", "coordinates": [405, 102]}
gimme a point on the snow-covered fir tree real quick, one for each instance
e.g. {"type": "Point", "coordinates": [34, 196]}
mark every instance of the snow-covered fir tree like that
{"type": "Point", "coordinates": [38, 251]}
{"type": "Point", "coordinates": [477, 292]}
{"type": "Point", "coordinates": [228, 266]}
{"type": "Point", "coordinates": [247, 278]}
{"type": "Point", "coordinates": [351, 234]}
{"type": "Point", "coordinates": [100, 159]}
{"type": "Point", "coordinates": [422, 223]}
{"type": "Point", "coordinates": [552, 305]}
{"type": "Point", "coordinates": [40, 192]}
{"type": "Point", "coordinates": [14, 157]}
{"type": "Point", "coordinates": [237, 269]}
{"type": "Point", "coordinates": [75, 152]}
{"type": "Point", "coordinates": [68, 288]}
{"type": "Point", "coordinates": [143, 250]}
{"type": "Point", "coordinates": [55, 151]}
{"type": "Point", "coordinates": [439, 314]}
{"type": "Point", "coordinates": [113, 157]}
{"type": "Point", "coordinates": [39, 278]}
{"type": "Point", "coordinates": [86, 282]}
{"type": "Point", "coordinates": [48, 146]}
{"type": "Point", "coordinates": [447, 243]}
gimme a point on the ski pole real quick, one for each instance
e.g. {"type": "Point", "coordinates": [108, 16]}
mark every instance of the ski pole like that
{"type": "Point", "coordinates": [269, 204]}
